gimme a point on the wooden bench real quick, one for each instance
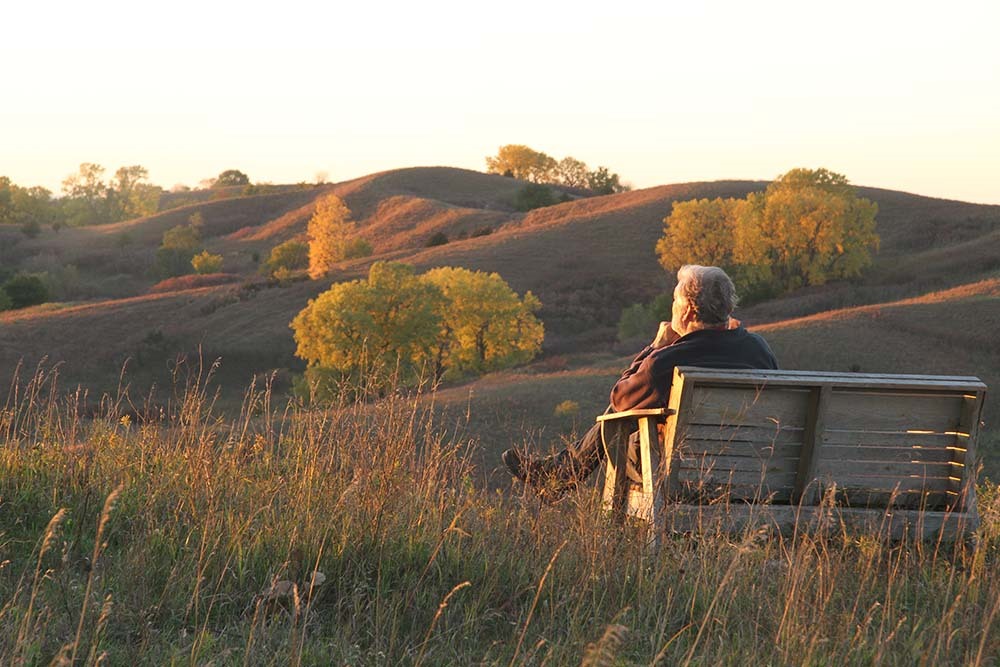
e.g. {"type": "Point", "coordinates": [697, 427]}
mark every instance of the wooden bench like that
{"type": "Point", "coordinates": [894, 453]}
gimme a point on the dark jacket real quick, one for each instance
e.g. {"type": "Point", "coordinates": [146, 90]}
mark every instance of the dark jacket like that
{"type": "Point", "coordinates": [646, 383]}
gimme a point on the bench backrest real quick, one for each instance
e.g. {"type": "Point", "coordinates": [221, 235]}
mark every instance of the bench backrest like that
{"type": "Point", "coordinates": [788, 436]}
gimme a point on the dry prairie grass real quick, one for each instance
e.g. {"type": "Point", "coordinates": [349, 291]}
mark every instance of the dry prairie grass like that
{"type": "Point", "coordinates": [190, 538]}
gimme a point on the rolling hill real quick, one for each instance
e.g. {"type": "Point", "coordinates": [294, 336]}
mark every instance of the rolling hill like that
{"type": "Point", "coordinates": [927, 305]}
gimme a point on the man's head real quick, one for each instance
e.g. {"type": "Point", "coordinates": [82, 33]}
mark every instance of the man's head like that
{"type": "Point", "coordinates": [703, 299]}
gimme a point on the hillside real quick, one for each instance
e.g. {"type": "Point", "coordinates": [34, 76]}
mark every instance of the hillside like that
{"type": "Point", "coordinates": [585, 259]}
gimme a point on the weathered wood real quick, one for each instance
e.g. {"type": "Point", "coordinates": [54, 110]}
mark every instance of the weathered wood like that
{"type": "Point", "coordinates": [634, 414]}
{"type": "Point", "coordinates": [819, 400]}
{"type": "Point", "coordinates": [774, 480]}
{"type": "Point", "coordinates": [885, 438]}
{"type": "Point", "coordinates": [887, 482]}
{"type": "Point", "coordinates": [737, 406]}
{"type": "Point", "coordinates": [968, 427]}
{"type": "Point", "coordinates": [862, 410]}
{"type": "Point", "coordinates": [769, 433]}
{"type": "Point", "coordinates": [706, 376]}
{"type": "Point", "coordinates": [895, 524]}
{"type": "Point", "coordinates": [876, 442]}
{"type": "Point", "coordinates": [738, 463]}
{"type": "Point", "coordinates": [875, 454]}
{"type": "Point", "coordinates": [754, 450]}
{"type": "Point", "coordinates": [867, 498]}
{"type": "Point", "coordinates": [674, 432]}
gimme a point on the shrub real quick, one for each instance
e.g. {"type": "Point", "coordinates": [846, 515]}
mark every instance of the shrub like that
{"type": "Point", "coordinates": [288, 256]}
{"type": "Point", "coordinates": [357, 248]}
{"type": "Point", "coordinates": [567, 409]}
{"type": "Point", "coordinates": [31, 229]}
{"type": "Point", "coordinates": [5, 302]}
{"type": "Point", "coordinates": [205, 263]}
{"type": "Point", "coordinates": [439, 238]}
{"type": "Point", "coordinates": [171, 262]}
{"type": "Point", "coordinates": [642, 319]}
{"type": "Point", "coordinates": [24, 290]}
{"type": "Point", "coordinates": [532, 196]}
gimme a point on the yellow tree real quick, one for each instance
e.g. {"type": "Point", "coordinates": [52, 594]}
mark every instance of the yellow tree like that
{"type": "Point", "coordinates": [395, 324]}
{"type": "Point", "coordinates": [700, 231]}
{"type": "Point", "coordinates": [368, 329]}
{"type": "Point", "coordinates": [520, 161]}
{"type": "Point", "coordinates": [808, 227]}
{"type": "Point", "coordinates": [329, 230]}
{"type": "Point", "coordinates": [485, 326]}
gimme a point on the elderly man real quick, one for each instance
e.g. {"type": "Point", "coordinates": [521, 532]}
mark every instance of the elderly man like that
{"type": "Point", "coordinates": [701, 332]}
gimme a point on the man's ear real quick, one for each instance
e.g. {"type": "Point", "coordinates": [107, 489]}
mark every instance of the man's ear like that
{"type": "Point", "coordinates": [690, 315]}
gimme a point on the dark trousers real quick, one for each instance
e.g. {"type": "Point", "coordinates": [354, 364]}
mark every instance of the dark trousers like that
{"type": "Point", "coordinates": [583, 457]}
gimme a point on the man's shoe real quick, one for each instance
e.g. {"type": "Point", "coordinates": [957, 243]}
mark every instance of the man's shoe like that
{"type": "Point", "coordinates": [514, 463]}
{"type": "Point", "coordinates": [541, 476]}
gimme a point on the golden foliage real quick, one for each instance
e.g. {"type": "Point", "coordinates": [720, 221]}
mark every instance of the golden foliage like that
{"type": "Point", "coordinates": [330, 230]}
{"type": "Point", "coordinates": [807, 227]}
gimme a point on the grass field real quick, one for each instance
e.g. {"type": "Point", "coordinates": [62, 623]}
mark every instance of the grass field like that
{"type": "Point", "coordinates": [357, 534]}
{"type": "Point", "coordinates": [223, 505]}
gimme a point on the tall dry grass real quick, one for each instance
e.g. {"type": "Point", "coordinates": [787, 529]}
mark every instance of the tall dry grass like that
{"type": "Point", "coordinates": [356, 534]}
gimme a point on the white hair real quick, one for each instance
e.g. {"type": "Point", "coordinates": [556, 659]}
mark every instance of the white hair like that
{"type": "Point", "coordinates": [709, 291]}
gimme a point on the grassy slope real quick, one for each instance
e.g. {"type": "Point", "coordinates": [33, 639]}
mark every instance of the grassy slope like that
{"type": "Point", "coordinates": [585, 259]}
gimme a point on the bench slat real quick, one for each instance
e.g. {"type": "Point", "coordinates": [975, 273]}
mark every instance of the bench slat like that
{"type": "Point", "coordinates": [705, 376]}
{"type": "Point", "coordinates": [844, 469]}
{"type": "Point", "coordinates": [898, 438]}
{"type": "Point", "coordinates": [739, 463]}
{"type": "Point", "coordinates": [736, 406]}
{"type": "Point", "coordinates": [836, 453]}
{"type": "Point", "coordinates": [755, 450]}
{"type": "Point", "coordinates": [892, 412]}
{"type": "Point", "coordinates": [770, 434]}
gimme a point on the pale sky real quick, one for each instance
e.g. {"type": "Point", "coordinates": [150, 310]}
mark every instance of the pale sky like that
{"type": "Point", "coordinates": [900, 95]}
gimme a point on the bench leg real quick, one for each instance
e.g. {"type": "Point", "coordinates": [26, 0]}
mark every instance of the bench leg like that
{"type": "Point", "coordinates": [618, 497]}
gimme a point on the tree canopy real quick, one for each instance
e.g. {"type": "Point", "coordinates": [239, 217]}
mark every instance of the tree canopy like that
{"type": "Point", "coordinates": [90, 200]}
{"type": "Point", "coordinates": [330, 230]}
{"type": "Point", "coordinates": [230, 177]}
{"type": "Point", "coordinates": [448, 322]}
{"type": "Point", "coordinates": [807, 227]}
{"type": "Point", "coordinates": [519, 161]}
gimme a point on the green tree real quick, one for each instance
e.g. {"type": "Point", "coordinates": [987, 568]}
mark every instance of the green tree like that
{"type": "Point", "coordinates": [642, 319]}
{"type": "Point", "coordinates": [366, 330]}
{"type": "Point", "coordinates": [87, 198]}
{"type": "Point", "coordinates": [26, 206]}
{"type": "Point", "coordinates": [485, 326]}
{"type": "Point", "coordinates": [25, 290]}
{"type": "Point", "coordinates": [5, 302]}
{"type": "Point", "coordinates": [572, 173]}
{"type": "Point", "coordinates": [532, 196]}
{"type": "Point", "coordinates": [180, 243]}
{"type": "Point", "coordinates": [205, 262]}
{"type": "Point", "coordinates": [288, 256]}
{"type": "Point", "coordinates": [131, 195]}
{"type": "Point", "coordinates": [357, 247]}
{"type": "Point", "coordinates": [602, 181]}
{"type": "Point", "coordinates": [329, 230]}
{"type": "Point", "coordinates": [230, 177]}
{"type": "Point", "coordinates": [522, 162]}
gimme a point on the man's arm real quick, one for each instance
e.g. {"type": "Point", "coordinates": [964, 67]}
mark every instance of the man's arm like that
{"type": "Point", "coordinates": [636, 387]}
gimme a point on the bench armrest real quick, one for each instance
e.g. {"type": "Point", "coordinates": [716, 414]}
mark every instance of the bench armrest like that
{"type": "Point", "coordinates": [660, 413]}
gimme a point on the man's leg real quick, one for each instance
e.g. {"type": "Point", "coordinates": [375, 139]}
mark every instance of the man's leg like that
{"type": "Point", "coordinates": [555, 475]}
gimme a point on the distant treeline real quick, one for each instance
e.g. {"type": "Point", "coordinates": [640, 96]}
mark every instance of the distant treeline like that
{"type": "Point", "coordinates": [90, 199]}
